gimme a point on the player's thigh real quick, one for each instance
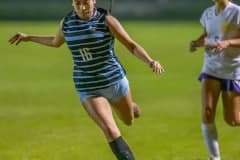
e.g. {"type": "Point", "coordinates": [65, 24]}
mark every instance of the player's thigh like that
{"type": "Point", "coordinates": [210, 91]}
{"type": "Point", "coordinates": [100, 111]}
{"type": "Point", "coordinates": [231, 105]}
{"type": "Point", "coordinates": [124, 108]}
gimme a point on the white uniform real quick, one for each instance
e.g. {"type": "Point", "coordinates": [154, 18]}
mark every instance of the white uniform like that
{"type": "Point", "coordinates": [225, 25]}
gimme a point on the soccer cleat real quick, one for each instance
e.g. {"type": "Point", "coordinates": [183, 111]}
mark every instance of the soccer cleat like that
{"type": "Point", "coordinates": [136, 111]}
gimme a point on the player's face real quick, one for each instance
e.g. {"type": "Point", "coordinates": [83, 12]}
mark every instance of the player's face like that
{"type": "Point", "coordinates": [84, 8]}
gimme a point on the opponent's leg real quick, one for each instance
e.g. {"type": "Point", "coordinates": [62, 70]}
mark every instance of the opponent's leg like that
{"type": "Point", "coordinates": [210, 93]}
{"type": "Point", "coordinates": [231, 104]}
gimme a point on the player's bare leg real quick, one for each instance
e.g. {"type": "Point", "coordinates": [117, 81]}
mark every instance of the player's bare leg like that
{"type": "Point", "coordinates": [136, 110]}
{"type": "Point", "coordinates": [231, 103]}
{"type": "Point", "coordinates": [210, 93]}
{"type": "Point", "coordinates": [100, 111]}
{"type": "Point", "coordinates": [126, 109]}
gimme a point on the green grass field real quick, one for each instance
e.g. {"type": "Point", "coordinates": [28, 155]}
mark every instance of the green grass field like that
{"type": "Point", "coordinates": [41, 117]}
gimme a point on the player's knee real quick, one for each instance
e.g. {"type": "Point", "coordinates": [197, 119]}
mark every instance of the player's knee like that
{"type": "Point", "coordinates": [208, 114]}
{"type": "Point", "coordinates": [128, 121]}
{"type": "Point", "coordinates": [232, 122]}
{"type": "Point", "coordinates": [128, 118]}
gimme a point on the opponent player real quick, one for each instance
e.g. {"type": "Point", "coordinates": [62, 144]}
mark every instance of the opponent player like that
{"type": "Point", "coordinates": [221, 69]}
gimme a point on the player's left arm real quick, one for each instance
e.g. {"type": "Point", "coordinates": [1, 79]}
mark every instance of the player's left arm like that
{"type": "Point", "coordinates": [119, 32]}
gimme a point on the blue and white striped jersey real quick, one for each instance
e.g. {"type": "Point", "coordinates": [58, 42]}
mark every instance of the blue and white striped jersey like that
{"type": "Point", "coordinates": [92, 48]}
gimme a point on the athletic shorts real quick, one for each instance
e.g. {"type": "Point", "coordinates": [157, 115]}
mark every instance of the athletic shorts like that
{"type": "Point", "coordinates": [226, 84]}
{"type": "Point", "coordinates": [112, 93]}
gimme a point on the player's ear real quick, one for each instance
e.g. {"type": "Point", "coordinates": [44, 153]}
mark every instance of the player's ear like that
{"type": "Point", "coordinates": [94, 1]}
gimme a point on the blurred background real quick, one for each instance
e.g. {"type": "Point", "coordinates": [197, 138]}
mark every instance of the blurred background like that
{"type": "Point", "coordinates": [125, 9]}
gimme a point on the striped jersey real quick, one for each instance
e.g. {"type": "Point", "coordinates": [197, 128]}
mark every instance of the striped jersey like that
{"type": "Point", "coordinates": [92, 48]}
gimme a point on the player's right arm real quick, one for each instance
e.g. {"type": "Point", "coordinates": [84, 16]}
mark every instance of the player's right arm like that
{"type": "Point", "coordinates": [52, 41]}
{"type": "Point", "coordinates": [199, 42]}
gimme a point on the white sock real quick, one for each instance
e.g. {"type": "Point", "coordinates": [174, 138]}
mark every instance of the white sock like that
{"type": "Point", "coordinates": [209, 132]}
{"type": "Point", "coordinates": [215, 159]}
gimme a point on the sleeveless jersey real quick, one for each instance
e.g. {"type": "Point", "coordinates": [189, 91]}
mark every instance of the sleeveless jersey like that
{"type": "Point", "coordinates": [225, 25]}
{"type": "Point", "coordinates": [92, 48]}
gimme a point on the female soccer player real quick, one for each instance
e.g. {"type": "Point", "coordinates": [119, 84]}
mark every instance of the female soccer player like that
{"type": "Point", "coordinates": [99, 78]}
{"type": "Point", "coordinates": [221, 69]}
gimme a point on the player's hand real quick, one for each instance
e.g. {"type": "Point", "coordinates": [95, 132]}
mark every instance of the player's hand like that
{"type": "Point", "coordinates": [192, 46]}
{"type": "Point", "coordinates": [195, 44]}
{"type": "Point", "coordinates": [156, 67]}
{"type": "Point", "coordinates": [19, 37]}
{"type": "Point", "coordinates": [220, 45]}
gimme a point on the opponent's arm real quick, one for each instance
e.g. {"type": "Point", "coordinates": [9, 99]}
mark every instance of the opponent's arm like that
{"type": "Point", "coordinates": [119, 32]}
{"type": "Point", "coordinates": [228, 43]}
{"type": "Point", "coordinates": [52, 41]}
{"type": "Point", "coordinates": [231, 40]}
{"type": "Point", "coordinates": [199, 42]}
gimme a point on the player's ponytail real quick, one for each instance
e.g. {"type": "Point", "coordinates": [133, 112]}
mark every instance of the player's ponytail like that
{"type": "Point", "coordinates": [110, 6]}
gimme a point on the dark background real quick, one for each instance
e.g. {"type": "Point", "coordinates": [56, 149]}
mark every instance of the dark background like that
{"type": "Point", "coordinates": [124, 9]}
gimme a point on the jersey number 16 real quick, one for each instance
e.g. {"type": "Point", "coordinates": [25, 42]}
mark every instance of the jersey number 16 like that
{"type": "Point", "coordinates": [85, 54]}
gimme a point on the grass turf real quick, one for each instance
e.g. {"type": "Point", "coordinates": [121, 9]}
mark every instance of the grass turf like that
{"type": "Point", "coordinates": [41, 117]}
